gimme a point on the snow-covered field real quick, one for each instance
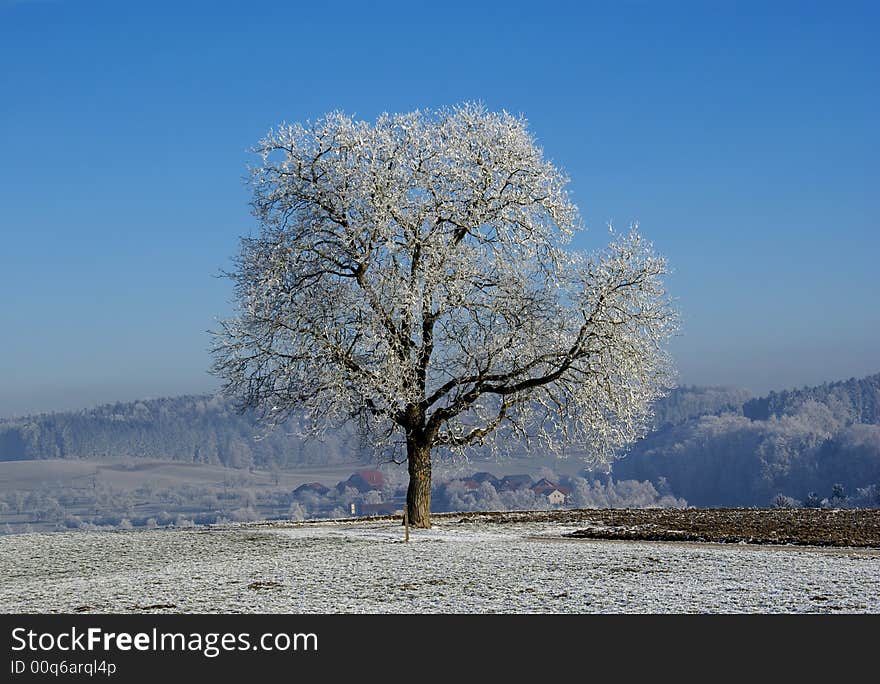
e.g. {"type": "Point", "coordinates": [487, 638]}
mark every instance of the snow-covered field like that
{"type": "Point", "coordinates": [454, 568]}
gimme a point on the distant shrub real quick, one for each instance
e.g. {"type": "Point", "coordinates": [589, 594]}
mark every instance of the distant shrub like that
{"type": "Point", "coordinates": [812, 501]}
{"type": "Point", "coordinates": [72, 522]}
{"type": "Point", "coordinates": [783, 501]}
{"type": "Point", "coordinates": [296, 512]}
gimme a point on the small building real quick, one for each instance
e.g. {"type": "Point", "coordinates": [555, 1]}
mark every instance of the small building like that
{"type": "Point", "coordinates": [364, 481]}
{"type": "Point", "coordinates": [556, 497]}
{"type": "Point", "coordinates": [513, 482]}
{"type": "Point", "coordinates": [475, 481]}
{"type": "Point", "coordinates": [315, 488]}
{"type": "Point", "coordinates": [555, 494]}
{"type": "Point", "coordinates": [483, 476]}
{"type": "Point", "coordinates": [543, 486]}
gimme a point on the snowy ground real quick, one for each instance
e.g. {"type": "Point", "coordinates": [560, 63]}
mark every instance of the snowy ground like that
{"type": "Point", "coordinates": [364, 567]}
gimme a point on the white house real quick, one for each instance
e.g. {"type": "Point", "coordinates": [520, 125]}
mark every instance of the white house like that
{"type": "Point", "coordinates": [555, 497]}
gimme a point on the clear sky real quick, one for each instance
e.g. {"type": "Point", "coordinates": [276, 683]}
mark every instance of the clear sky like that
{"type": "Point", "coordinates": [743, 137]}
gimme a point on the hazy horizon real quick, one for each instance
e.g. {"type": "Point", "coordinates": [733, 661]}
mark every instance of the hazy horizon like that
{"type": "Point", "coordinates": [74, 400]}
{"type": "Point", "coordinates": [742, 138]}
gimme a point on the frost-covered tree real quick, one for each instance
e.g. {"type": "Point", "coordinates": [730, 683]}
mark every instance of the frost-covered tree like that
{"type": "Point", "coordinates": [412, 275]}
{"type": "Point", "coordinates": [296, 511]}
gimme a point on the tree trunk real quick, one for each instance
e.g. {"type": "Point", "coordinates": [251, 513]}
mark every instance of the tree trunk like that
{"type": "Point", "coordinates": [418, 494]}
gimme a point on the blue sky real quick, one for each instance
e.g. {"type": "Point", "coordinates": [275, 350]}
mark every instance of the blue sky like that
{"type": "Point", "coordinates": [742, 136]}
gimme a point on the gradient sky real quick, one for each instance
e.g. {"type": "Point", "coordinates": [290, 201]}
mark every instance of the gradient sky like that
{"type": "Point", "coordinates": [743, 138]}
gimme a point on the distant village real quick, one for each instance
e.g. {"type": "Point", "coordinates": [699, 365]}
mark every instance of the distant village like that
{"type": "Point", "coordinates": [369, 494]}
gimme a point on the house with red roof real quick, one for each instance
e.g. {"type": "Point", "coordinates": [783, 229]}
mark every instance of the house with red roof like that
{"type": "Point", "coordinates": [555, 494]}
{"type": "Point", "coordinates": [364, 481]}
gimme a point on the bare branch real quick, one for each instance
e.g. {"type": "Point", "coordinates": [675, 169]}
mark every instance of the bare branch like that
{"type": "Point", "coordinates": [412, 275]}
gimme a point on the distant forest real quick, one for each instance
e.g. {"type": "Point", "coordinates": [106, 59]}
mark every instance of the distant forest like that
{"type": "Point", "coordinates": [813, 446]}
{"type": "Point", "coordinates": [711, 446]}
{"type": "Point", "coordinates": [194, 429]}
